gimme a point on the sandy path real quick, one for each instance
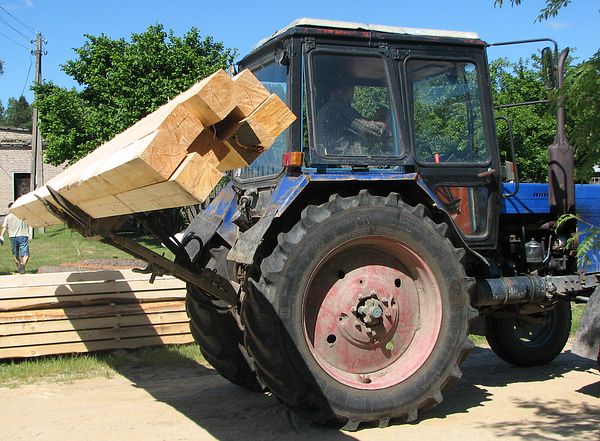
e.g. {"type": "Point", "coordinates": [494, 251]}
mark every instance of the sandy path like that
{"type": "Point", "coordinates": [493, 400]}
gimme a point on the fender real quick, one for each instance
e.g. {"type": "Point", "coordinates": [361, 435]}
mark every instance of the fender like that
{"type": "Point", "coordinates": [288, 189]}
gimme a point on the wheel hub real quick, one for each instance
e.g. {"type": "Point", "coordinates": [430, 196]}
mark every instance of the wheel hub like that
{"type": "Point", "coordinates": [367, 319]}
{"type": "Point", "coordinates": [371, 311]}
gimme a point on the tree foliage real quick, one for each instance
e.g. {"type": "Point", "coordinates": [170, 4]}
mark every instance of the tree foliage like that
{"type": "Point", "coordinates": [550, 10]}
{"type": "Point", "coordinates": [582, 102]}
{"type": "Point", "coordinates": [17, 113]}
{"type": "Point", "coordinates": [121, 81]}
{"type": "Point", "coordinates": [586, 240]}
{"type": "Point", "coordinates": [533, 126]}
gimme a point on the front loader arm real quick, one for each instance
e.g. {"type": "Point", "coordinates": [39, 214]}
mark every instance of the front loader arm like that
{"type": "Point", "coordinates": [104, 230]}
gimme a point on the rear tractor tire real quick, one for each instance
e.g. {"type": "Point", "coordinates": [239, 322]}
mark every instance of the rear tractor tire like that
{"type": "Point", "coordinates": [361, 312]}
{"type": "Point", "coordinates": [215, 329]}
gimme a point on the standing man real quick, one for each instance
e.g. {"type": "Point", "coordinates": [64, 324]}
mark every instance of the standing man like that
{"type": "Point", "coordinates": [18, 233]}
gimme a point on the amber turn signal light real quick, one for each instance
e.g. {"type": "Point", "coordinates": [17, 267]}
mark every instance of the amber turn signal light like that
{"type": "Point", "coordinates": [292, 159]}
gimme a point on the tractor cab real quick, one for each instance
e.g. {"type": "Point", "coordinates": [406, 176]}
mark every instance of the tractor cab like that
{"type": "Point", "coordinates": [382, 100]}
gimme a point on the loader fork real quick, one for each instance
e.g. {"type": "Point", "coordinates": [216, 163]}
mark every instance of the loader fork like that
{"type": "Point", "coordinates": [104, 230]}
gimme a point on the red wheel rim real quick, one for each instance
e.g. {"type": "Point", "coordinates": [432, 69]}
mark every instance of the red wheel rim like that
{"type": "Point", "coordinates": [372, 312]}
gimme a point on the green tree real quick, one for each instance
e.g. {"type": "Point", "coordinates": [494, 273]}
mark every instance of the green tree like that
{"type": "Point", "coordinates": [2, 110]}
{"type": "Point", "coordinates": [17, 113]}
{"type": "Point", "coordinates": [550, 10]}
{"type": "Point", "coordinates": [533, 126]}
{"type": "Point", "coordinates": [121, 81]}
{"type": "Point", "coordinates": [582, 104]}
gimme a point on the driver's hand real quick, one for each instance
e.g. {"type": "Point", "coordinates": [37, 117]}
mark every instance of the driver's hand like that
{"type": "Point", "coordinates": [368, 128]}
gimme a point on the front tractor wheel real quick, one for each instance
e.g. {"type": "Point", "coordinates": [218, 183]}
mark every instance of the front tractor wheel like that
{"type": "Point", "coordinates": [532, 340]}
{"type": "Point", "coordinates": [361, 313]}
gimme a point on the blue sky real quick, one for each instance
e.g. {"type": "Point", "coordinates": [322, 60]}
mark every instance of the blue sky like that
{"type": "Point", "coordinates": [242, 24]}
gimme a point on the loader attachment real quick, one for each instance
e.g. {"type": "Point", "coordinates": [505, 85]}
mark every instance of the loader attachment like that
{"type": "Point", "coordinates": [105, 230]}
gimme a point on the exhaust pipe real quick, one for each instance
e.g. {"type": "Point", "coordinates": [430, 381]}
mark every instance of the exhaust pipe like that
{"type": "Point", "coordinates": [510, 290]}
{"type": "Point", "coordinates": [531, 289]}
{"type": "Point", "coordinates": [561, 179]}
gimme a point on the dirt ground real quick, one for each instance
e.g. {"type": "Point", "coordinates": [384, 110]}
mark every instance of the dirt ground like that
{"type": "Point", "coordinates": [492, 401]}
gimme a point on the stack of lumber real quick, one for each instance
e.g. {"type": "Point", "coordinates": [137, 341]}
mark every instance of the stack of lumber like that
{"type": "Point", "coordinates": [173, 157]}
{"type": "Point", "coordinates": [45, 314]}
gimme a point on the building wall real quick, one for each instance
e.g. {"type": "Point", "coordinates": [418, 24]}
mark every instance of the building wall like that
{"type": "Point", "coordinates": [15, 157]}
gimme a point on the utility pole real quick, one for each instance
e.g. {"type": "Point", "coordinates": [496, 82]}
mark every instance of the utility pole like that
{"type": "Point", "coordinates": [37, 163]}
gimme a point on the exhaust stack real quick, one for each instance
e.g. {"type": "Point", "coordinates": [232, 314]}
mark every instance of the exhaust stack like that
{"type": "Point", "coordinates": [561, 182]}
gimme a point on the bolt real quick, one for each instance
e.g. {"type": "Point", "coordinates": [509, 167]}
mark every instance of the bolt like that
{"type": "Point", "coordinates": [364, 379]}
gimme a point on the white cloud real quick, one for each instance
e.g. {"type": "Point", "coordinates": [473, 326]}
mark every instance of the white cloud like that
{"type": "Point", "coordinates": [557, 25]}
{"type": "Point", "coordinates": [16, 7]}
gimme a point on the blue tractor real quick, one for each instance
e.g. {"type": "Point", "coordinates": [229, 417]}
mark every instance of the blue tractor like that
{"type": "Point", "coordinates": [344, 269]}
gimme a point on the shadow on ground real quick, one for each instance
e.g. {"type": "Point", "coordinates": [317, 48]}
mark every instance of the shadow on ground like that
{"type": "Point", "coordinates": [207, 399]}
{"type": "Point", "coordinates": [566, 421]}
{"type": "Point", "coordinates": [204, 397]}
{"type": "Point", "coordinates": [484, 370]}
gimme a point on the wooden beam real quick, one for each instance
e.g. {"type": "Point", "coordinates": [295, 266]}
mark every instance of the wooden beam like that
{"type": "Point", "coordinates": [62, 278]}
{"type": "Point", "coordinates": [249, 92]}
{"type": "Point", "coordinates": [264, 125]}
{"type": "Point", "coordinates": [174, 156]}
{"type": "Point", "coordinates": [82, 312]}
{"type": "Point", "coordinates": [76, 325]}
{"type": "Point", "coordinates": [73, 289]}
{"type": "Point", "coordinates": [87, 335]}
{"type": "Point", "coordinates": [102, 345]}
{"type": "Point", "coordinates": [65, 301]}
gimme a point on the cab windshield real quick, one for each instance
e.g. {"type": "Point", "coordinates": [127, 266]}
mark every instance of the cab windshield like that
{"type": "Point", "coordinates": [274, 77]}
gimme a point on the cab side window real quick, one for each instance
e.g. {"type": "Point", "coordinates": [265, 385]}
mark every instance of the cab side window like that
{"type": "Point", "coordinates": [446, 112]}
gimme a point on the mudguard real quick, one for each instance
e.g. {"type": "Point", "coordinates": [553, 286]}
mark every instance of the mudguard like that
{"type": "Point", "coordinates": [217, 218]}
{"type": "Point", "coordinates": [587, 339]}
{"type": "Point", "coordinates": [290, 187]}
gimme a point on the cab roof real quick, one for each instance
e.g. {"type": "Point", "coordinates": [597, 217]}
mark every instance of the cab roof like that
{"type": "Point", "coordinates": [397, 30]}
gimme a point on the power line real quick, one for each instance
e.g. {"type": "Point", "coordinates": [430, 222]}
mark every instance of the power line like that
{"type": "Point", "coordinates": [28, 72]}
{"type": "Point", "coordinates": [14, 41]}
{"type": "Point", "coordinates": [25, 25]}
{"type": "Point", "coordinates": [15, 29]}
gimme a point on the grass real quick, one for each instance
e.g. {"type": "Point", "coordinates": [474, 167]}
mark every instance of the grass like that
{"type": "Point", "coordinates": [67, 368]}
{"type": "Point", "coordinates": [62, 245]}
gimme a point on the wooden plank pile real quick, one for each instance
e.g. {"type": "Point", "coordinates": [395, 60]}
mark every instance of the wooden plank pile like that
{"type": "Point", "coordinates": [46, 314]}
{"type": "Point", "coordinates": [173, 157]}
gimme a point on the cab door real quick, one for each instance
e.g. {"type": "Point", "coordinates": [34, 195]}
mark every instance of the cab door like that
{"type": "Point", "coordinates": [452, 135]}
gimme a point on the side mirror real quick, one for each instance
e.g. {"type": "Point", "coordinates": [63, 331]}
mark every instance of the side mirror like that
{"type": "Point", "coordinates": [549, 68]}
{"type": "Point", "coordinates": [282, 55]}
